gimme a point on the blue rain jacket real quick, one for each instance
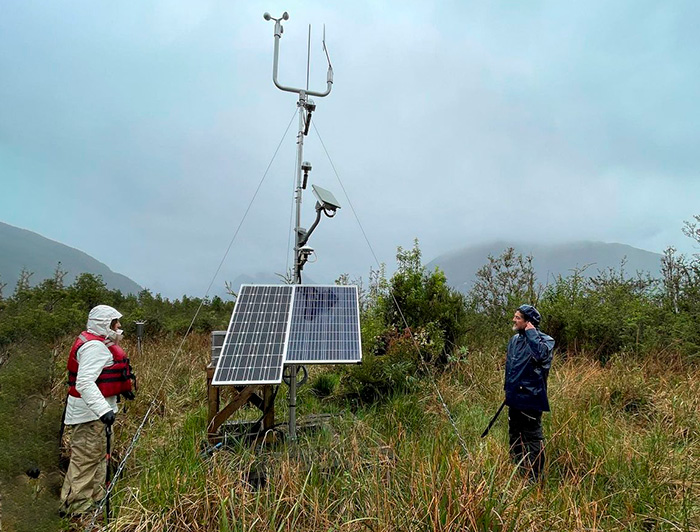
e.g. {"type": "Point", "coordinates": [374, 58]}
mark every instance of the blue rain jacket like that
{"type": "Point", "coordinates": [527, 368]}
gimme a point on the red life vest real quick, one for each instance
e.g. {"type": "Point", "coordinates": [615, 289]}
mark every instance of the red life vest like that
{"type": "Point", "coordinates": [114, 379]}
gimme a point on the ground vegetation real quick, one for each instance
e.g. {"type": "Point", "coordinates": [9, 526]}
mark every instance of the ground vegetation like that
{"type": "Point", "coordinates": [402, 449]}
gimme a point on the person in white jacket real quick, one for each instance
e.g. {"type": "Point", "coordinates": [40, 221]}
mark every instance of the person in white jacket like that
{"type": "Point", "coordinates": [89, 411]}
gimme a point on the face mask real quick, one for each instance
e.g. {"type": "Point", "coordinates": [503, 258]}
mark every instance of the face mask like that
{"type": "Point", "coordinates": [115, 335]}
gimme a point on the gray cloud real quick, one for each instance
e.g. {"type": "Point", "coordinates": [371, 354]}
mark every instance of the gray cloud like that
{"type": "Point", "coordinates": [451, 123]}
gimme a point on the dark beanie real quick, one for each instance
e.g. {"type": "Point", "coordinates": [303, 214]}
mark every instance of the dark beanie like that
{"type": "Point", "coordinates": [530, 313]}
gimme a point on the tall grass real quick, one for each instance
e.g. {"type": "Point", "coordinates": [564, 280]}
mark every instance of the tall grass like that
{"type": "Point", "coordinates": [623, 453]}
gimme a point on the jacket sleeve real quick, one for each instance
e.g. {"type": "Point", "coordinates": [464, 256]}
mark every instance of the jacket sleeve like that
{"type": "Point", "coordinates": [93, 357]}
{"type": "Point", "coordinates": [540, 346]}
{"type": "Point", "coordinates": [509, 361]}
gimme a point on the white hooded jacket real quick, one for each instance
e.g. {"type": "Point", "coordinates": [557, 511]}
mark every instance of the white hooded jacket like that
{"type": "Point", "coordinates": [93, 357]}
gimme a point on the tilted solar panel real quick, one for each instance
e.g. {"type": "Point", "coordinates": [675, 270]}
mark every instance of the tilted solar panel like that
{"type": "Point", "coordinates": [325, 326]}
{"type": "Point", "coordinates": [273, 325]}
{"type": "Point", "coordinates": [255, 343]}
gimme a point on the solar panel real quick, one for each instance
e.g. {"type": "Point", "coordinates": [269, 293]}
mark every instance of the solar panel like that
{"type": "Point", "coordinates": [325, 326]}
{"type": "Point", "coordinates": [255, 343]}
{"type": "Point", "coordinates": [295, 324]}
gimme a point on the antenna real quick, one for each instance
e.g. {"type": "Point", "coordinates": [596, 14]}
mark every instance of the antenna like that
{"type": "Point", "coordinates": [308, 59]}
{"type": "Point", "coordinates": [306, 107]}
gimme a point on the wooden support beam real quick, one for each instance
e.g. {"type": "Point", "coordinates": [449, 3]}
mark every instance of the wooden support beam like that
{"type": "Point", "coordinates": [237, 402]}
{"type": "Point", "coordinates": [213, 396]}
{"type": "Point", "coordinates": [262, 399]}
{"type": "Point", "coordinates": [268, 408]}
{"type": "Point", "coordinates": [255, 399]}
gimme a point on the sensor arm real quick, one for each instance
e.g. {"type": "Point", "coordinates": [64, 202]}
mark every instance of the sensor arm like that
{"type": "Point", "coordinates": [305, 239]}
{"type": "Point", "coordinates": [275, 62]}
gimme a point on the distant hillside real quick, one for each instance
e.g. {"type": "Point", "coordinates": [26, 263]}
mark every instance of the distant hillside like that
{"type": "Point", "coordinates": [461, 266]}
{"type": "Point", "coordinates": [20, 248]}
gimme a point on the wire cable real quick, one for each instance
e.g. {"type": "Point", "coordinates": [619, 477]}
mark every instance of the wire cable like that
{"type": "Point", "coordinates": [450, 417]}
{"type": "Point", "coordinates": [137, 434]}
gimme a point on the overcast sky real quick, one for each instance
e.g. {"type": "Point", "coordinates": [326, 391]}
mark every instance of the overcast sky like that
{"type": "Point", "coordinates": [138, 131]}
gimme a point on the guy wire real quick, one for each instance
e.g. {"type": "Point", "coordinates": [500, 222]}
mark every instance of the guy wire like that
{"type": "Point", "coordinates": [451, 419]}
{"type": "Point", "coordinates": [137, 434]}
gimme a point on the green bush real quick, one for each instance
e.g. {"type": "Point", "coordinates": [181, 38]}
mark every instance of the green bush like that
{"type": "Point", "coordinates": [423, 302]}
{"type": "Point", "coordinates": [48, 311]}
{"type": "Point", "coordinates": [410, 323]}
{"type": "Point", "coordinates": [325, 384]}
{"type": "Point", "coordinates": [603, 315]}
{"type": "Point", "coordinates": [502, 285]}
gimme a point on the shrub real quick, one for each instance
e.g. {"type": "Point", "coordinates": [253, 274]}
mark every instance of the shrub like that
{"type": "Point", "coordinates": [325, 384]}
{"type": "Point", "coordinates": [502, 285]}
{"type": "Point", "coordinates": [49, 310]}
{"type": "Point", "coordinates": [410, 323]}
{"type": "Point", "coordinates": [423, 302]}
{"type": "Point", "coordinates": [605, 314]}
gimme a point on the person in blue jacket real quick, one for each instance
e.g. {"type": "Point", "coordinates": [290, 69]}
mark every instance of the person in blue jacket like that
{"type": "Point", "coordinates": [527, 368]}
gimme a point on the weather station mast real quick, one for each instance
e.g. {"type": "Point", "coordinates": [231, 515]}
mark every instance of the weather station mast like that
{"type": "Point", "coordinates": [326, 203]}
{"type": "Point", "coordinates": [276, 330]}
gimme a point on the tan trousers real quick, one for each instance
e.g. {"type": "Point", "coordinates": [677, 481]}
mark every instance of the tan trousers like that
{"type": "Point", "coordinates": [87, 472]}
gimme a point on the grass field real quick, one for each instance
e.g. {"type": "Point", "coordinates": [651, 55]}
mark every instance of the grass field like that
{"type": "Point", "coordinates": [623, 453]}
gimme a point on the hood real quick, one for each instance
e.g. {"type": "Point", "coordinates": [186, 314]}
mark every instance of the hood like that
{"type": "Point", "coordinates": [100, 318]}
{"type": "Point", "coordinates": [530, 314]}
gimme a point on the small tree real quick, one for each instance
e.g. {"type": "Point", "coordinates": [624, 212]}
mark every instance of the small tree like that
{"type": "Point", "coordinates": [602, 314]}
{"type": "Point", "coordinates": [681, 296]}
{"type": "Point", "coordinates": [90, 290]}
{"type": "Point", "coordinates": [501, 285]}
{"type": "Point", "coordinates": [409, 322]}
{"type": "Point", "coordinates": [673, 269]}
{"type": "Point", "coordinates": [504, 282]}
{"type": "Point", "coordinates": [423, 302]}
{"type": "Point", "coordinates": [23, 281]}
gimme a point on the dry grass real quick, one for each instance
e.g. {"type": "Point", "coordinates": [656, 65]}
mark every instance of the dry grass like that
{"type": "Point", "coordinates": [623, 454]}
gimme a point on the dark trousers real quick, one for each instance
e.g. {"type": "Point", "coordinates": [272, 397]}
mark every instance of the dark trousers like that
{"type": "Point", "coordinates": [526, 440]}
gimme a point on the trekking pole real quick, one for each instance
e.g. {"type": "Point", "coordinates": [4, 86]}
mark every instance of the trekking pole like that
{"type": "Point", "coordinates": [62, 430]}
{"type": "Point", "coordinates": [109, 472]}
{"type": "Point", "coordinates": [493, 419]}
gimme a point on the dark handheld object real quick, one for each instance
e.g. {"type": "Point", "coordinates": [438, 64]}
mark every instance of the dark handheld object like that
{"type": "Point", "coordinates": [108, 479]}
{"type": "Point", "coordinates": [108, 419]}
{"type": "Point", "coordinates": [493, 419]}
{"type": "Point", "coordinates": [62, 430]}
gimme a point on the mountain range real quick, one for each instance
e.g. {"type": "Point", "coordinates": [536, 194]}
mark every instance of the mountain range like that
{"type": "Point", "coordinates": [549, 261]}
{"type": "Point", "coordinates": [20, 249]}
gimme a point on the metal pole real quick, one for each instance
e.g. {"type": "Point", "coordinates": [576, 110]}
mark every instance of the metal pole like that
{"type": "Point", "coordinates": [297, 259]}
{"type": "Point", "coordinates": [300, 157]}
{"type": "Point", "coordinates": [302, 105]}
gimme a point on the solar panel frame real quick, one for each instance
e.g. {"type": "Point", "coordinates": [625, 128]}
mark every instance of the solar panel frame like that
{"type": "Point", "coordinates": [233, 361]}
{"type": "Point", "coordinates": [236, 353]}
{"type": "Point", "coordinates": [328, 335]}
